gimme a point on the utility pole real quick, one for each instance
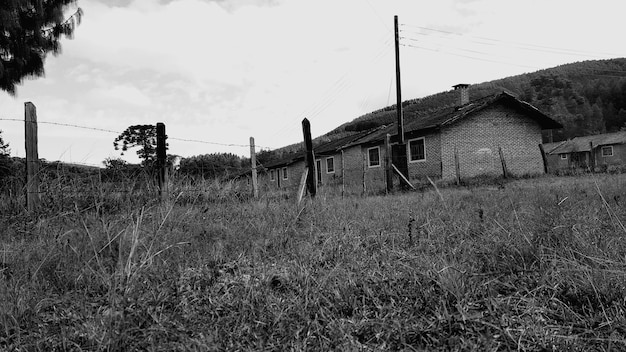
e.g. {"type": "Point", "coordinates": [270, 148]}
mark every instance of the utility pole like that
{"type": "Point", "coordinates": [400, 150]}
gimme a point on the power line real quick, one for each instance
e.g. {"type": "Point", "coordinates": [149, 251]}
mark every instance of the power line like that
{"type": "Point", "coordinates": [469, 57]}
{"type": "Point", "coordinates": [117, 132]}
{"type": "Point", "coordinates": [520, 45]}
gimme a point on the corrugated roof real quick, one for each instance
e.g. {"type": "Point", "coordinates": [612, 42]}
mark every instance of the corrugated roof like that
{"type": "Point", "coordinates": [581, 144]}
{"type": "Point", "coordinates": [450, 115]}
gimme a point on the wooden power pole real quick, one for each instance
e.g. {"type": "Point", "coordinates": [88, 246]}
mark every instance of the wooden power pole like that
{"type": "Point", "coordinates": [400, 159]}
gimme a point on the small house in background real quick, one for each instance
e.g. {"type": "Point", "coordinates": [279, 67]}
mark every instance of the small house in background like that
{"type": "Point", "coordinates": [286, 173]}
{"type": "Point", "coordinates": [597, 151]}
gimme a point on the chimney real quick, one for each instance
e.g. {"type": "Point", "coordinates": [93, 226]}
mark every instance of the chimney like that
{"type": "Point", "coordinates": [463, 93]}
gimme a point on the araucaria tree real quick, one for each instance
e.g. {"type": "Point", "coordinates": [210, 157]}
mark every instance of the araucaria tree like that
{"type": "Point", "coordinates": [142, 136]}
{"type": "Point", "coordinates": [29, 30]}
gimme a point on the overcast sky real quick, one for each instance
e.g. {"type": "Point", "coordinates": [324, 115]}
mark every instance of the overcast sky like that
{"type": "Point", "coordinates": [221, 71]}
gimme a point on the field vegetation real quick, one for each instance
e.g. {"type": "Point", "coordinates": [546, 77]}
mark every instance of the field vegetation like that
{"type": "Point", "coordinates": [531, 265]}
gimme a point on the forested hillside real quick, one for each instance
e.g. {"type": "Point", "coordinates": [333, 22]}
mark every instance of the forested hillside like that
{"type": "Point", "coordinates": [586, 97]}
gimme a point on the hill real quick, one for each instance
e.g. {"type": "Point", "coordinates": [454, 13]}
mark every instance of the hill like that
{"type": "Point", "coordinates": [587, 97]}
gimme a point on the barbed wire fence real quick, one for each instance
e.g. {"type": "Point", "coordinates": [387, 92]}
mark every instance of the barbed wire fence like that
{"type": "Point", "coordinates": [67, 180]}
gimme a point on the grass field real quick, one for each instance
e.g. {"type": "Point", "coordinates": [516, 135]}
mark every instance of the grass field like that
{"type": "Point", "coordinates": [536, 265]}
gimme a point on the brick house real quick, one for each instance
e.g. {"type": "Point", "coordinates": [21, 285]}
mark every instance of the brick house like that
{"type": "Point", "coordinates": [478, 132]}
{"type": "Point", "coordinates": [286, 173]}
{"type": "Point", "coordinates": [599, 151]}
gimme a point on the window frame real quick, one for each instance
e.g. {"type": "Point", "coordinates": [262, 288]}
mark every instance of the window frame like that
{"type": "Point", "coordinates": [285, 175]}
{"type": "Point", "coordinates": [369, 161]}
{"type": "Point", "coordinates": [606, 147]}
{"type": "Point", "coordinates": [408, 146]}
{"type": "Point", "coordinates": [272, 175]}
{"type": "Point", "coordinates": [563, 156]}
{"type": "Point", "coordinates": [328, 171]}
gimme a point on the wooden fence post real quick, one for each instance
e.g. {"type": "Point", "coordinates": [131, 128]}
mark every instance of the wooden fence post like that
{"type": "Point", "coordinates": [388, 164]}
{"type": "Point", "coordinates": [544, 158]}
{"type": "Point", "coordinates": [161, 159]}
{"type": "Point", "coordinates": [457, 167]}
{"type": "Point", "coordinates": [32, 157]}
{"type": "Point", "coordinates": [505, 171]}
{"type": "Point", "coordinates": [255, 186]}
{"type": "Point", "coordinates": [592, 158]}
{"type": "Point", "coordinates": [310, 158]}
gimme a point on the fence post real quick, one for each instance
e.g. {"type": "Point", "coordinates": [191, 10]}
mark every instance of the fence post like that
{"type": "Point", "coordinates": [543, 157]}
{"type": "Point", "coordinates": [388, 169]}
{"type": "Point", "coordinates": [310, 158]}
{"type": "Point", "coordinates": [592, 158]}
{"type": "Point", "coordinates": [32, 157]}
{"type": "Point", "coordinates": [255, 186]}
{"type": "Point", "coordinates": [505, 171]}
{"type": "Point", "coordinates": [457, 167]}
{"type": "Point", "coordinates": [161, 159]}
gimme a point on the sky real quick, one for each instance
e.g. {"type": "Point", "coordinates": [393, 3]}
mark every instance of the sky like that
{"type": "Point", "coordinates": [217, 72]}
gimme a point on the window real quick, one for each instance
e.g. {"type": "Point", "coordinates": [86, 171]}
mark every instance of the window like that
{"type": "Point", "coordinates": [563, 156]}
{"type": "Point", "coordinates": [272, 178]}
{"type": "Point", "coordinates": [373, 157]}
{"type": "Point", "coordinates": [417, 150]}
{"type": "Point", "coordinates": [330, 165]}
{"type": "Point", "coordinates": [284, 173]}
{"type": "Point", "coordinates": [607, 151]}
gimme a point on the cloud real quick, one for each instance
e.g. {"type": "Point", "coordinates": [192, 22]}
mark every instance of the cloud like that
{"type": "Point", "coordinates": [125, 94]}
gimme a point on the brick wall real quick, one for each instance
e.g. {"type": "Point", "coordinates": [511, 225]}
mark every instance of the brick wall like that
{"type": "Point", "coordinates": [330, 179]}
{"type": "Point", "coordinates": [478, 137]}
{"type": "Point", "coordinates": [430, 167]}
{"type": "Point", "coordinates": [353, 170]}
{"type": "Point", "coordinates": [294, 173]}
{"type": "Point", "coordinates": [618, 158]}
{"type": "Point", "coordinates": [556, 163]}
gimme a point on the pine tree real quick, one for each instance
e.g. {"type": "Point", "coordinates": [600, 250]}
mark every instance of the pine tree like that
{"type": "Point", "coordinates": [29, 30]}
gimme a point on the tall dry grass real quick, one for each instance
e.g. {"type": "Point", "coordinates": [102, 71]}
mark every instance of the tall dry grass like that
{"type": "Point", "coordinates": [537, 265]}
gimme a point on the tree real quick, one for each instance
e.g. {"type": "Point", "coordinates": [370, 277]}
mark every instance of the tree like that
{"type": "Point", "coordinates": [142, 136]}
{"type": "Point", "coordinates": [5, 161]}
{"type": "Point", "coordinates": [29, 30]}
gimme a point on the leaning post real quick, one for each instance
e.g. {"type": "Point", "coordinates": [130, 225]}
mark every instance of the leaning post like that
{"type": "Point", "coordinates": [310, 158]}
{"type": "Point", "coordinates": [32, 157]}
{"type": "Point", "coordinates": [161, 159]}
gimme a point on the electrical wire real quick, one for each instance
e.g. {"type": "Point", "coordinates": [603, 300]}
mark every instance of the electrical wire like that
{"type": "Point", "coordinates": [521, 45]}
{"type": "Point", "coordinates": [117, 132]}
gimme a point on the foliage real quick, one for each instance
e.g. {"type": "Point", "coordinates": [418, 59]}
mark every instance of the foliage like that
{"type": "Point", "coordinates": [5, 161]}
{"type": "Point", "coordinates": [114, 163]}
{"type": "Point", "coordinates": [215, 165]}
{"type": "Point", "coordinates": [29, 30]}
{"type": "Point", "coordinates": [586, 97]}
{"type": "Point", "coordinates": [142, 136]}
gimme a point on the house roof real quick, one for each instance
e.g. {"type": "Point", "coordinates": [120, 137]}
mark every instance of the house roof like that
{"type": "Point", "coordinates": [549, 147]}
{"type": "Point", "coordinates": [450, 115]}
{"type": "Point", "coordinates": [581, 144]}
{"type": "Point", "coordinates": [324, 149]}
